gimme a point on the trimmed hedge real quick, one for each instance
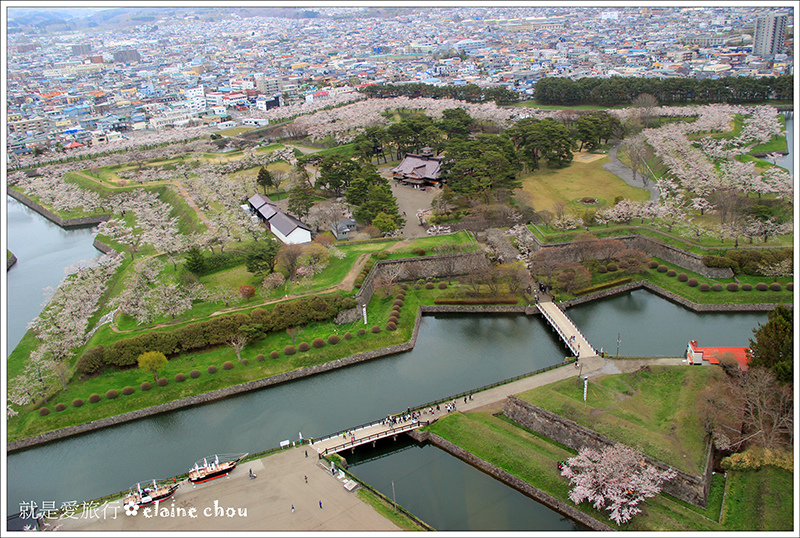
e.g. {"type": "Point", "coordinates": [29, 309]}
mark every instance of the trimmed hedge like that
{"type": "Point", "coordinates": [318, 343]}
{"type": "Point", "coordinates": [683, 277]}
{"type": "Point", "coordinates": [260, 357]}
{"type": "Point", "coordinates": [671, 272]}
{"type": "Point", "coordinates": [652, 264]}
{"type": "Point", "coordinates": [162, 382]}
{"type": "Point", "coordinates": [442, 285]}
{"type": "Point", "coordinates": [347, 336]}
{"type": "Point", "coordinates": [747, 287]}
{"type": "Point", "coordinates": [733, 286]}
{"type": "Point", "coordinates": [334, 339]}
{"type": "Point", "coordinates": [391, 326]}
{"type": "Point", "coordinates": [43, 412]}
{"type": "Point", "coordinates": [94, 398]}
{"type": "Point", "coordinates": [704, 287]}
{"type": "Point", "coordinates": [180, 378]}
{"type": "Point", "coordinates": [376, 329]}
{"type": "Point", "coordinates": [612, 267]}
{"type": "Point", "coordinates": [775, 286]}
{"type": "Point", "coordinates": [602, 269]}
{"type": "Point", "coordinates": [789, 286]}
{"type": "Point", "coordinates": [392, 319]}
{"type": "Point", "coordinates": [603, 286]}
{"type": "Point", "coordinates": [60, 407]}
{"type": "Point", "coordinates": [429, 286]}
{"type": "Point", "coordinates": [274, 354]}
{"type": "Point", "coordinates": [111, 394]}
{"type": "Point", "coordinates": [244, 361]}
{"type": "Point", "coordinates": [303, 346]}
{"type": "Point", "coordinates": [194, 374]}
{"type": "Point", "coordinates": [227, 365]}
{"type": "Point", "coordinates": [289, 350]}
{"type": "Point", "coordinates": [474, 301]}
{"type": "Point", "coordinates": [662, 269]}
{"type": "Point", "coordinates": [692, 282]}
{"type": "Point", "coordinates": [128, 390]}
{"type": "Point", "coordinates": [398, 302]}
{"type": "Point", "coordinates": [716, 287]}
{"type": "Point", "coordinates": [214, 332]}
{"type": "Point", "coordinates": [362, 332]}
{"type": "Point", "coordinates": [77, 402]}
{"type": "Point", "coordinates": [761, 286]}
{"type": "Point", "coordinates": [212, 369]}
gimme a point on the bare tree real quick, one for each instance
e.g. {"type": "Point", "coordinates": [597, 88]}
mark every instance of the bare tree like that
{"type": "Point", "coordinates": [238, 342]}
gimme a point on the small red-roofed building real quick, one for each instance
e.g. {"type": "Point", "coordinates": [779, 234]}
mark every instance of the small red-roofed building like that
{"type": "Point", "coordinates": [712, 355]}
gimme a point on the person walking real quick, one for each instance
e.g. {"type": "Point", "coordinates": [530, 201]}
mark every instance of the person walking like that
{"type": "Point", "coordinates": [306, 477]}
{"type": "Point", "coordinates": [293, 509]}
{"type": "Point", "coordinates": [320, 504]}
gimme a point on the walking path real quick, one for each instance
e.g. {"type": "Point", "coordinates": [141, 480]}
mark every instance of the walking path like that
{"type": "Point", "coordinates": [626, 174]}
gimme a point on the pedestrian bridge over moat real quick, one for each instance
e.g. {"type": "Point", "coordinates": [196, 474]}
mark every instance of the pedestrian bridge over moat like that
{"type": "Point", "coordinates": [567, 330]}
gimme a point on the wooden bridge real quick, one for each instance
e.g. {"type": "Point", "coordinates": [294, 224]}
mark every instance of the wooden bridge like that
{"type": "Point", "coordinates": [366, 433]}
{"type": "Point", "coordinates": [567, 330]}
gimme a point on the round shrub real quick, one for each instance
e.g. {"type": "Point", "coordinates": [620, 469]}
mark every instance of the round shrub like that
{"type": "Point", "coordinates": [442, 285]}
{"type": "Point", "coordinates": [347, 336]}
{"type": "Point", "coordinates": [111, 394]}
{"type": "Point", "coordinates": [400, 295]}
{"type": "Point", "coordinates": [395, 311]}
{"type": "Point", "coordinates": [398, 302]}
{"type": "Point", "coordinates": [612, 267]}
{"type": "Point", "coordinates": [683, 277]}
{"type": "Point", "coordinates": [733, 286]}
{"type": "Point", "coordinates": [303, 346]}
{"type": "Point", "coordinates": [692, 282]}
{"type": "Point", "coordinates": [194, 374]}
{"type": "Point", "coordinates": [416, 286]}
{"type": "Point", "coordinates": [747, 287]}
{"type": "Point", "coordinates": [652, 264]}
{"type": "Point", "coordinates": [227, 365]}
{"type": "Point", "coordinates": [603, 269]}
{"type": "Point", "coordinates": [404, 287]}
{"type": "Point", "coordinates": [43, 412]}
{"type": "Point", "coordinates": [162, 381]}
{"type": "Point", "coordinates": [180, 378]}
{"type": "Point", "coordinates": [622, 264]}
{"type": "Point", "coordinates": [77, 402]}
{"type": "Point", "coordinates": [289, 350]}
{"type": "Point", "coordinates": [334, 339]}
{"type": "Point", "coordinates": [362, 332]}
{"type": "Point", "coordinates": [94, 398]}
{"type": "Point", "coordinates": [789, 286]}
{"type": "Point", "coordinates": [662, 269]}
{"type": "Point", "coordinates": [318, 343]}
{"type": "Point", "coordinates": [244, 361]}
{"type": "Point", "coordinates": [704, 287]}
{"type": "Point", "coordinates": [60, 407]}
{"type": "Point", "coordinates": [274, 354]}
{"type": "Point", "coordinates": [716, 287]}
{"type": "Point", "coordinates": [392, 319]}
{"type": "Point", "coordinates": [429, 286]}
{"type": "Point", "coordinates": [762, 286]}
{"type": "Point", "coordinates": [260, 357]}
{"type": "Point", "coordinates": [775, 286]}
{"type": "Point", "coordinates": [127, 391]}
{"type": "Point", "coordinates": [390, 326]}
{"type": "Point", "coordinates": [671, 272]}
{"type": "Point", "coordinates": [376, 329]}
{"type": "Point", "coordinates": [381, 255]}
{"type": "Point", "coordinates": [212, 369]}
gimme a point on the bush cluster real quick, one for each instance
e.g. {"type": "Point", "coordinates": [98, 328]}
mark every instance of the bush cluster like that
{"type": "Point", "coordinates": [418, 251]}
{"type": "Point", "coordinates": [602, 286]}
{"type": "Point", "coordinates": [755, 457]}
{"type": "Point", "coordinates": [364, 272]}
{"type": "Point", "coordinates": [474, 301]}
{"type": "Point", "coordinates": [214, 332]}
{"type": "Point", "coordinates": [746, 261]}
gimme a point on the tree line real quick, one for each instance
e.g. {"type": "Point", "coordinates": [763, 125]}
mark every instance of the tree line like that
{"type": "Point", "coordinates": [470, 93]}
{"type": "Point", "coordinates": [668, 91]}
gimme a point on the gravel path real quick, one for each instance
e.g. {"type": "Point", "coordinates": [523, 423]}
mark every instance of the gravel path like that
{"type": "Point", "coordinates": [626, 174]}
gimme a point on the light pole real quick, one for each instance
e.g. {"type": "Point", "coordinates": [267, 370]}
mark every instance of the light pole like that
{"type": "Point", "coordinates": [364, 312]}
{"type": "Point", "coordinates": [393, 498]}
{"type": "Point", "coordinates": [618, 341]}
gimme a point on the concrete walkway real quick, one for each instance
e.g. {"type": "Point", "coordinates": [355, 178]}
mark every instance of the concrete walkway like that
{"type": "Point", "coordinates": [268, 501]}
{"type": "Point", "coordinates": [626, 174]}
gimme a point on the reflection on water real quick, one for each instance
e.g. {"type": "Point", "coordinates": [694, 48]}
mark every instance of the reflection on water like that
{"type": "Point", "coordinates": [449, 494]}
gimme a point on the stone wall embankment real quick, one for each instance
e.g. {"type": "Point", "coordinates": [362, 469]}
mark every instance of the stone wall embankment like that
{"type": "Point", "coordinates": [11, 260]}
{"type": "Point", "coordinates": [49, 215]}
{"type": "Point", "coordinates": [677, 299]}
{"type": "Point", "coordinates": [511, 480]}
{"type": "Point", "coordinates": [688, 488]}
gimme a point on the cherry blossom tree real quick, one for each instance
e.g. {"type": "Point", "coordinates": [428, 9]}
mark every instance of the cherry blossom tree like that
{"type": "Point", "coordinates": [615, 478]}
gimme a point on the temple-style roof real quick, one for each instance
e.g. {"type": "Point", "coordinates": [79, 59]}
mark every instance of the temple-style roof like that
{"type": "Point", "coordinates": [419, 167]}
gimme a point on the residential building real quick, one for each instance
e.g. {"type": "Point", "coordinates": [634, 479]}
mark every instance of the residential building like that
{"type": "Point", "coordinates": [770, 35]}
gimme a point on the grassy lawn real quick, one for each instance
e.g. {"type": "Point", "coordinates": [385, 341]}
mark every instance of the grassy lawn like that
{"type": "Point", "coordinates": [578, 180]}
{"type": "Point", "coordinates": [759, 500]}
{"type": "Point", "coordinates": [652, 410]}
{"type": "Point", "coordinates": [534, 459]}
{"type": "Point", "coordinates": [380, 505]}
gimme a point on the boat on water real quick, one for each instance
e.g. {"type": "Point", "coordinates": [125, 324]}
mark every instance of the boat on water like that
{"type": "Point", "coordinates": [213, 467]}
{"type": "Point", "coordinates": [149, 493]}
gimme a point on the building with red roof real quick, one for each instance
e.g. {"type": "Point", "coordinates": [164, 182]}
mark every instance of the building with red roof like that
{"type": "Point", "coordinates": [712, 355]}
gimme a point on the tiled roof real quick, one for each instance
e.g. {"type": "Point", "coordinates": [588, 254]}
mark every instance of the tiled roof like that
{"type": "Point", "coordinates": [286, 224]}
{"type": "Point", "coordinates": [419, 167]}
